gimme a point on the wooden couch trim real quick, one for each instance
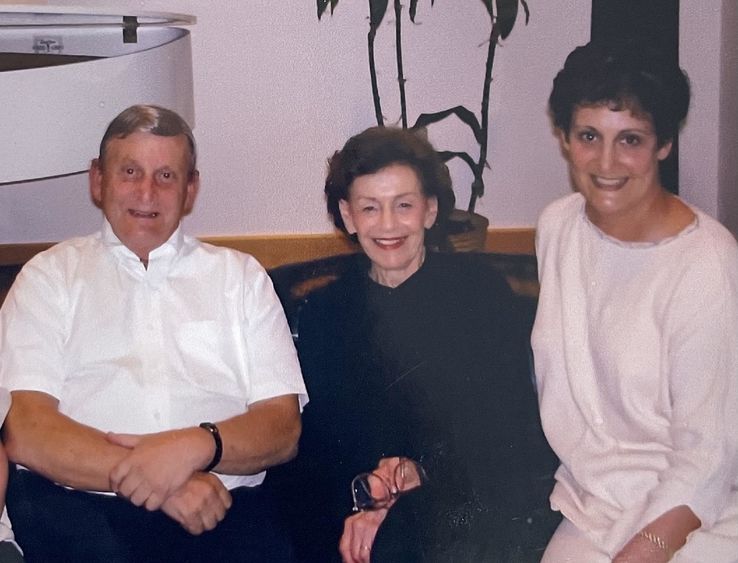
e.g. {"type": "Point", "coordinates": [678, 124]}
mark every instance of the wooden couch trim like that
{"type": "Point", "coordinates": [275, 250]}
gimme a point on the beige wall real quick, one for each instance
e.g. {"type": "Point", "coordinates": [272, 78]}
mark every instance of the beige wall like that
{"type": "Point", "coordinates": [276, 92]}
{"type": "Point", "coordinates": [708, 145]}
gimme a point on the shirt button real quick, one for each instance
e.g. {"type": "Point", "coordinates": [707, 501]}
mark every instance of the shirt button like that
{"type": "Point", "coordinates": [598, 421]}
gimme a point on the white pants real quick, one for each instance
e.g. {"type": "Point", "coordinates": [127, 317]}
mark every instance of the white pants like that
{"type": "Point", "coordinates": [569, 545]}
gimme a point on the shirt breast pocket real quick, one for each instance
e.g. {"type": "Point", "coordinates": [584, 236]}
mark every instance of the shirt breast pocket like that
{"type": "Point", "coordinates": [207, 355]}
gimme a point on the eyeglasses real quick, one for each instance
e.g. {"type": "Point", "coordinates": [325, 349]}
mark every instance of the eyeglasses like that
{"type": "Point", "coordinates": [372, 491]}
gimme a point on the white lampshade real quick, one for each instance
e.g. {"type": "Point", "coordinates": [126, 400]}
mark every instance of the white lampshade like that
{"type": "Point", "coordinates": [52, 117]}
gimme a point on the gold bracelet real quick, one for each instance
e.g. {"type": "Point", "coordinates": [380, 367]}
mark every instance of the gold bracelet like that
{"type": "Point", "coordinates": [657, 541]}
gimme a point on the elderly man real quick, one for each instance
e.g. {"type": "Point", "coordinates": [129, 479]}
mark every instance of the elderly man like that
{"type": "Point", "coordinates": [153, 377]}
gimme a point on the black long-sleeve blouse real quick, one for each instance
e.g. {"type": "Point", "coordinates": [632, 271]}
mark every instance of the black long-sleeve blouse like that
{"type": "Point", "coordinates": [436, 369]}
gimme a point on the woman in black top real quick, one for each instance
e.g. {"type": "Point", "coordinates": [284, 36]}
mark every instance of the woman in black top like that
{"type": "Point", "coordinates": [411, 354]}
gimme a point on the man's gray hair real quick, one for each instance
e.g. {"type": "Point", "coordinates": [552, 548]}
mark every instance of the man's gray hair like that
{"type": "Point", "coordinates": [149, 119]}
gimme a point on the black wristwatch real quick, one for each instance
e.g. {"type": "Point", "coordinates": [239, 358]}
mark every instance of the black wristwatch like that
{"type": "Point", "coordinates": [215, 433]}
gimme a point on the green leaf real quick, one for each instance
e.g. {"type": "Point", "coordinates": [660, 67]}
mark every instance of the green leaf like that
{"type": "Point", "coordinates": [525, 9]}
{"type": "Point", "coordinates": [507, 11]}
{"type": "Point", "coordinates": [413, 9]}
{"type": "Point", "coordinates": [468, 117]}
{"type": "Point", "coordinates": [490, 8]}
{"type": "Point", "coordinates": [504, 13]}
{"type": "Point", "coordinates": [448, 155]}
{"type": "Point", "coordinates": [377, 9]}
{"type": "Point", "coordinates": [323, 4]}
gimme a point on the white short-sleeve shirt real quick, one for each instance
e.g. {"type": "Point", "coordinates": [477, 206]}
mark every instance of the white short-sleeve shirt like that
{"type": "Point", "coordinates": [196, 336]}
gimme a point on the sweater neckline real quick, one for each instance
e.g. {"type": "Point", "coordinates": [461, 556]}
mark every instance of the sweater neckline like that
{"type": "Point", "coordinates": [407, 285]}
{"type": "Point", "coordinates": [639, 245]}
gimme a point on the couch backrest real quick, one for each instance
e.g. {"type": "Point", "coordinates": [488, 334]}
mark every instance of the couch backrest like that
{"type": "Point", "coordinates": [7, 276]}
{"type": "Point", "coordinates": [294, 282]}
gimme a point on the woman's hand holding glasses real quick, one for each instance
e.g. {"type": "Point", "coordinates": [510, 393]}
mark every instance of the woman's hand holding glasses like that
{"type": "Point", "coordinates": [393, 477]}
{"type": "Point", "coordinates": [374, 493]}
{"type": "Point", "coordinates": [359, 531]}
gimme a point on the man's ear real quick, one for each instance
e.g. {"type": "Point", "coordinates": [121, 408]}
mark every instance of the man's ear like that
{"type": "Point", "coordinates": [345, 208]}
{"type": "Point", "coordinates": [192, 189]}
{"type": "Point", "coordinates": [95, 180]}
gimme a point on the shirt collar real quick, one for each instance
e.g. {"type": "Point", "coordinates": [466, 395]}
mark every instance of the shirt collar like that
{"type": "Point", "coordinates": [160, 256]}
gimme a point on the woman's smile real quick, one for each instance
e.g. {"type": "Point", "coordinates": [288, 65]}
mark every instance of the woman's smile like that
{"type": "Point", "coordinates": [609, 184]}
{"type": "Point", "coordinates": [390, 243]}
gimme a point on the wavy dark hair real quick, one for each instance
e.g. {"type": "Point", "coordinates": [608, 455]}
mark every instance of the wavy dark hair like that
{"type": "Point", "coordinates": [379, 147]}
{"type": "Point", "coordinates": [622, 75]}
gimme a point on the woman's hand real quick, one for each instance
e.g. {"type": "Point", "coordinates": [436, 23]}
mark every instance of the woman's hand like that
{"type": "Point", "coordinates": [402, 473]}
{"type": "Point", "coordinates": [398, 475]}
{"type": "Point", "coordinates": [359, 531]}
{"type": "Point", "coordinates": [641, 550]}
{"type": "Point", "coordinates": [672, 528]}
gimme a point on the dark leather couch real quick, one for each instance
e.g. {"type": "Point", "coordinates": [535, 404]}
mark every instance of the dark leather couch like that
{"type": "Point", "coordinates": [294, 282]}
{"type": "Point", "coordinates": [7, 275]}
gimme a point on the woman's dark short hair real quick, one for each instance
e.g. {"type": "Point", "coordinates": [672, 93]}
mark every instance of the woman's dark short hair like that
{"type": "Point", "coordinates": [379, 147]}
{"type": "Point", "coordinates": [623, 75]}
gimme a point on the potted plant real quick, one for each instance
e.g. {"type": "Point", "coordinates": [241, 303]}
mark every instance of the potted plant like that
{"type": "Point", "coordinates": [468, 229]}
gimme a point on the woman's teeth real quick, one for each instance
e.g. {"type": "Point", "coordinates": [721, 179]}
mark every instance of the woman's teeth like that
{"type": "Point", "coordinates": [609, 183]}
{"type": "Point", "coordinates": [388, 242]}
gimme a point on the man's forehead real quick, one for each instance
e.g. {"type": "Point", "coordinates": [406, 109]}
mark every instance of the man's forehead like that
{"type": "Point", "coordinates": [145, 145]}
